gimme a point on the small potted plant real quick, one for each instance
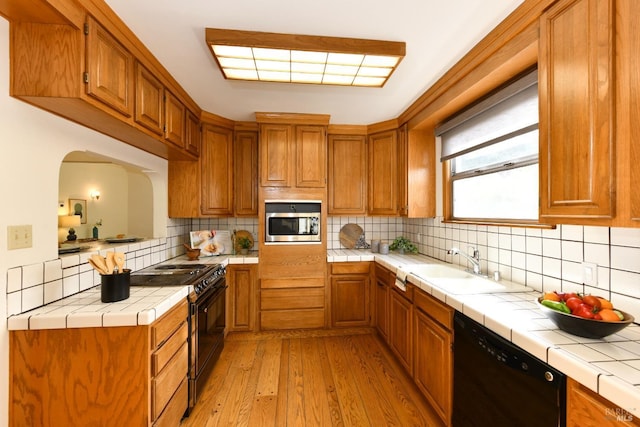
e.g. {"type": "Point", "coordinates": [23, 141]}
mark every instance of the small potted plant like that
{"type": "Point", "coordinates": [244, 243]}
{"type": "Point", "coordinates": [402, 245]}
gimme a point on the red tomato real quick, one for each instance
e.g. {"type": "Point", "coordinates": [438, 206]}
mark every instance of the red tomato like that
{"type": "Point", "coordinates": [592, 301]}
{"type": "Point", "coordinates": [584, 310]}
{"type": "Point", "coordinates": [567, 295]}
{"type": "Point", "coordinates": [573, 304]}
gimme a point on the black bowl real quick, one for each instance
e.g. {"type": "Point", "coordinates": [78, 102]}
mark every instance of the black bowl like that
{"type": "Point", "coordinates": [587, 328]}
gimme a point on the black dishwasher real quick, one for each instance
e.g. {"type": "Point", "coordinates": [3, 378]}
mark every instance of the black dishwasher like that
{"type": "Point", "coordinates": [496, 383]}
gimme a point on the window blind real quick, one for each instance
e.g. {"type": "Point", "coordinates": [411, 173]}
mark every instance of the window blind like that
{"type": "Point", "coordinates": [511, 111]}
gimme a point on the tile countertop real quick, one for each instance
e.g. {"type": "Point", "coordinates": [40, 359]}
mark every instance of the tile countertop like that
{"type": "Point", "coordinates": [609, 366]}
{"type": "Point", "coordinates": [143, 307]}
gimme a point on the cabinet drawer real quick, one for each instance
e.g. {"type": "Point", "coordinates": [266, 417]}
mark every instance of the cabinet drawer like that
{"type": "Point", "coordinates": [162, 355]}
{"type": "Point", "coordinates": [350, 268]}
{"type": "Point", "coordinates": [311, 282]}
{"type": "Point", "coordinates": [430, 306]}
{"type": "Point", "coordinates": [384, 275]}
{"type": "Point", "coordinates": [274, 299]}
{"type": "Point", "coordinates": [167, 382]}
{"type": "Point", "coordinates": [408, 294]}
{"type": "Point", "coordinates": [174, 411]}
{"type": "Point", "coordinates": [162, 328]}
{"type": "Point", "coordinates": [292, 319]}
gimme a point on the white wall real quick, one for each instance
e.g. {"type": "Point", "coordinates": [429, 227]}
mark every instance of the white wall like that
{"type": "Point", "coordinates": [33, 143]}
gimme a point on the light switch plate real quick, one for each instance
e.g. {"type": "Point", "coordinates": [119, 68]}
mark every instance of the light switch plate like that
{"type": "Point", "coordinates": [19, 237]}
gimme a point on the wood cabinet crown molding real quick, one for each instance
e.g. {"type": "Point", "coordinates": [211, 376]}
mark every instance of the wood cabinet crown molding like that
{"type": "Point", "coordinates": [293, 118]}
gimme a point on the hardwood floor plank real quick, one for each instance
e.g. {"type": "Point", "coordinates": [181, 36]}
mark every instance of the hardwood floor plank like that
{"type": "Point", "coordinates": [283, 384]}
{"type": "Point", "coordinates": [316, 407]}
{"type": "Point", "coordinates": [408, 402]}
{"type": "Point", "coordinates": [332, 396]}
{"type": "Point", "coordinates": [309, 378]}
{"type": "Point", "coordinates": [295, 386]}
{"type": "Point", "coordinates": [351, 405]}
{"type": "Point", "coordinates": [375, 395]}
{"type": "Point", "coordinates": [265, 394]}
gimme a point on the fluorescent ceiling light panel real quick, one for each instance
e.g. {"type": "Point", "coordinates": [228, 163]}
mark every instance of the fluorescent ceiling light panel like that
{"type": "Point", "coordinates": [251, 55]}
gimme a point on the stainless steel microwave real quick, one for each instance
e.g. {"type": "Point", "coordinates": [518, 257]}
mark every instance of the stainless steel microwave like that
{"type": "Point", "coordinates": [292, 221]}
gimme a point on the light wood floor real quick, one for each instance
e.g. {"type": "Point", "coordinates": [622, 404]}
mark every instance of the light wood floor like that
{"type": "Point", "coordinates": [319, 378]}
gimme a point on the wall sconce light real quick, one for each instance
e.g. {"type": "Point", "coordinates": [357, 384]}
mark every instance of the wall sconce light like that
{"type": "Point", "coordinates": [69, 221]}
{"type": "Point", "coordinates": [95, 194]}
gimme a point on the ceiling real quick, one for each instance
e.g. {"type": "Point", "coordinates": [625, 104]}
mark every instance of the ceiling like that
{"type": "Point", "coordinates": [437, 34]}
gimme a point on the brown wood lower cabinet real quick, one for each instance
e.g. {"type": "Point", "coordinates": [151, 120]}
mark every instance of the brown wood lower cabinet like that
{"type": "Point", "coordinates": [112, 376]}
{"type": "Point", "coordinates": [292, 303]}
{"type": "Point", "coordinates": [588, 409]}
{"type": "Point", "coordinates": [242, 280]}
{"type": "Point", "coordinates": [401, 325]}
{"type": "Point", "coordinates": [383, 278]}
{"type": "Point", "coordinates": [350, 283]}
{"type": "Point", "coordinates": [433, 353]}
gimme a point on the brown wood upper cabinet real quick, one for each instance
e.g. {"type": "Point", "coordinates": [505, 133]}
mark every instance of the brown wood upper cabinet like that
{"type": "Point", "coordinates": [175, 120]}
{"type": "Point", "coordinates": [246, 173]}
{"type": "Point", "coordinates": [217, 170]}
{"type": "Point", "coordinates": [149, 106]}
{"type": "Point", "coordinates": [577, 141]}
{"type": "Point", "coordinates": [93, 75]}
{"type": "Point", "coordinates": [193, 134]}
{"type": "Point", "coordinates": [293, 150]}
{"type": "Point", "coordinates": [383, 173]}
{"type": "Point", "coordinates": [347, 183]}
{"type": "Point", "coordinates": [293, 155]}
{"type": "Point", "coordinates": [109, 69]}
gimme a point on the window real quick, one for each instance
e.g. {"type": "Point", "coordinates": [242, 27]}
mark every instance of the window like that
{"type": "Point", "coordinates": [492, 154]}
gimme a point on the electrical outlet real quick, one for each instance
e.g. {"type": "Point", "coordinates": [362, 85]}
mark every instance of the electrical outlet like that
{"type": "Point", "coordinates": [19, 237]}
{"type": "Point", "coordinates": [590, 274]}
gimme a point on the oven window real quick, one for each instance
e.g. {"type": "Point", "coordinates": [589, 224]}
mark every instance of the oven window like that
{"type": "Point", "coordinates": [293, 226]}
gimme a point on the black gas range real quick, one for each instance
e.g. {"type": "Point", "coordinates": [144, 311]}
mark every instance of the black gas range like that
{"type": "Point", "coordinates": [206, 313]}
{"type": "Point", "coordinates": [200, 276]}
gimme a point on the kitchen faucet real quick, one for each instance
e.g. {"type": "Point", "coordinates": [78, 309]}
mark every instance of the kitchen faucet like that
{"type": "Point", "coordinates": [473, 259]}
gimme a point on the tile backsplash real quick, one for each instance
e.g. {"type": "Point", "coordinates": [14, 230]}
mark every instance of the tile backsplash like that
{"type": "Point", "coordinates": [32, 286]}
{"type": "Point", "coordinates": [543, 259]}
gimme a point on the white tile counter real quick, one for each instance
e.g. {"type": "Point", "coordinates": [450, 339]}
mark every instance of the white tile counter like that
{"type": "Point", "coordinates": [144, 305]}
{"type": "Point", "coordinates": [609, 366]}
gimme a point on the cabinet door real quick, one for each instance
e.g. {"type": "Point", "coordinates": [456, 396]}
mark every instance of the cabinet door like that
{"type": "Point", "coordinates": [586, 408]}
{"type": "Point", "coordinates": [403, 171]}
{"type": "Point", "coordinates": [401, 329]}
{"type": "Point", "coordinates": [217, 170]}
{"type": "Point", "coordinates": [577, 150]}
{"type": "Point", "coordinates": [149, 100]}
{"type": "Point", "coordinates": [175, 120]}
{"type": "Point", "coordinates": [109, 69]}
{"type": "Point", "coordinates": [347, 175]}
{"type": "Point", "coordinates": [193, 134]}
{"type": "Point", "coordinates": [276, 145]}
{"type": "Point", "coordinates": [350, 300]}
{"type": "Point", "coordinates": [242, 281]}
{"type": "Point", "coordinates": [383, 173]}
{"type": "Point", "coordinates": [382, 307]}
{"type": "Point", "coordinates": [628, 105]}
{"type": "Point", "coordinates": [311, 156]}
{"type": "Point", "coordinates": [246, 173]}
{"type": "Point", "coordinates": [434, 364]}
